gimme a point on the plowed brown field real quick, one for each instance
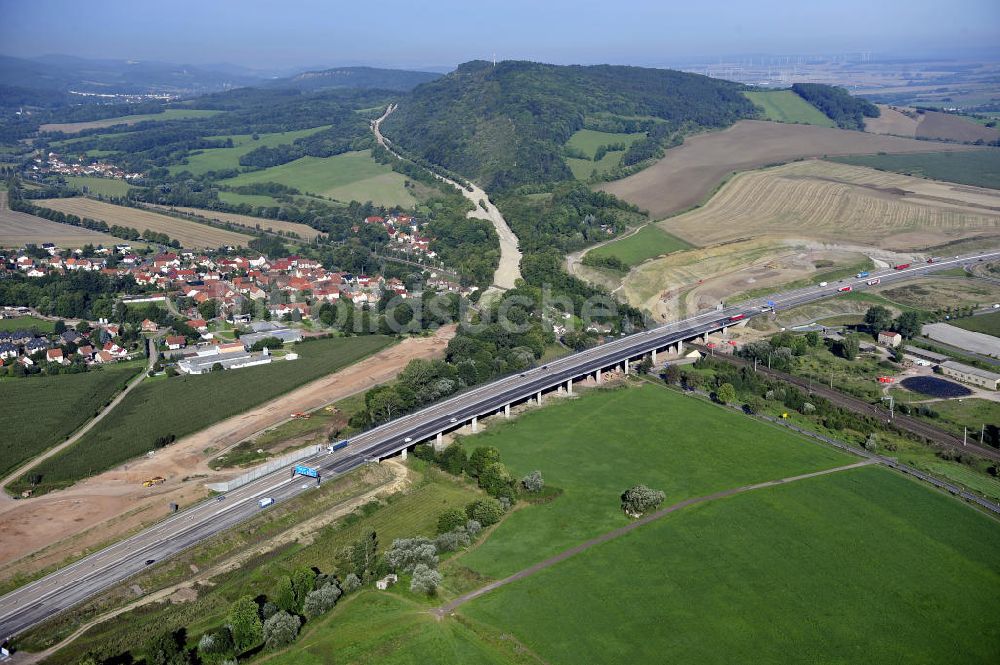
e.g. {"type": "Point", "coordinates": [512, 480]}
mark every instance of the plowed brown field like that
{"type": "Point", "coordinates": [689, 173]}
{"type": "Point", "coordinates": [191, 235]}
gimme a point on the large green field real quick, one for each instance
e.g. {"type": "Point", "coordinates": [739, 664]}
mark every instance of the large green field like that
{"type": "Point", "coordinates": [40, 411]}
{"type": "Point", "coordinates": [599, 445]}
{"type": "Point", "coordinates": [648, 242]}
{"type": "Point", "coordinates": [217, 159]}
{"type": "Point", "coordinates": [43, 326]}
{"type": "Point", "coordinates": [95, 185]}
{"type": "Point", "coordinates": [984, 323]}
{"type": "Point", "coordinates": [352, 176]}
{"type": "Point", "coordinates": [185, 404]}
{"type": "Point", "coordinates": [786, 106]}
{"type": "Point", "coordinates": [975, 167]}
{"type": "Point", "coordinates": [857, 566]}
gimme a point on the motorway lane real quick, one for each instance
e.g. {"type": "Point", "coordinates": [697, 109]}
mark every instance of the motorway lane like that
{"type": "Point", "coordinates": [73, 584]}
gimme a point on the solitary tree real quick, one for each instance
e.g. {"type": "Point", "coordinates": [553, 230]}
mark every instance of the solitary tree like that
{"type": "Point", "coordinates": [450, 520]}
{"type": "Point", "coordinates": [281, 630]}
{"type": "Point", "coordinates": [486, 511]}
{"type": "Point", "coordinates": [672, 374]}
{"type": "Point", "coordinates": [425, 579]}
{"type": "Point", "coordinates": [878, 318]}
{"type": "Point", "coordinates": [481, 458]}
{"type": "Point", "coordinates": [640, 499]}
{"type": "Point", "coordinates": [244, 623]}
{"type": "Point", "coordinates": [533, 482]}
{"type": "Point", "coordinates": [406, 553]}
{"type": "Point", "coordinates": [321, 601]}
{"type": "Point", "coordinates": [908, 324]}
{"type": "Point", "coordinates": [726, 393]}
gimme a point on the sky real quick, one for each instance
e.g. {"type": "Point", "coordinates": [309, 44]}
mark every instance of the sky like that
{"type": "Point", "coordinates": [268, 34]}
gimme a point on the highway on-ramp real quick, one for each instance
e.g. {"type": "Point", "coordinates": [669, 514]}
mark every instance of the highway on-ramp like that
{"type": "Point", "coordinates": [33, 603]}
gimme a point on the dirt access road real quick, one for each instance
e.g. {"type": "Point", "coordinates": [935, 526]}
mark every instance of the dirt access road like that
{"type": "Point", "coordinates": [509, 269]}
{"type": "Point", "coordinates": [46, 530]}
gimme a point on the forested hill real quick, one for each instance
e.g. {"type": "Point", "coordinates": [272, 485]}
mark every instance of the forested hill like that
{"type": "Point", "coordinates": [355, 77]}
{"type": "Point", "coordinates": [505, 126]}
{"type": "Point", "coordinates": [838, 104]}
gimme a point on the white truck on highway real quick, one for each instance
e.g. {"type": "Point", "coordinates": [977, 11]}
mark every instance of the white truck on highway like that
{"type": "Point", "coordinates": [264, 503]}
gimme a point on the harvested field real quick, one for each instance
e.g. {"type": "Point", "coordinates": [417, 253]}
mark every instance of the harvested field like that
{"type": "Point", "coordinates": [941, 293]}
{"type": "Point", "coordinates": [301, 230]}
{"type": "Point", "coordinates": [935, 125]}
{"type": "Point", "coordinates": [190, 234]}
{"type": "Point", "coordinates": [896, 121]}
{"type": "Point", "coordinates": [169, 114]}
{"type": "Point", "coordinates": [822, 200]}
{"type": "Point", "coordinates": [905, 121]}
{"type": "Point", "coordinates": [18, 229]}
{"type": "Point", "coordinates": [689, 173]}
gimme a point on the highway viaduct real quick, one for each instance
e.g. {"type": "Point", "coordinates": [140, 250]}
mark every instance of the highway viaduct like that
{"type": "Point", "coordinates": [37, 601]}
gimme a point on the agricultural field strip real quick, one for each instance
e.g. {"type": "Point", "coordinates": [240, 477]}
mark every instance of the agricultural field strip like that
{"type": "Point", "coordinates": [190, 234]}
{"type": "Point", "coordinates": [305, 232]}
{"type": "Point", "coordinates": [106, 568]}
{"type": "Point", "coordinates": [824, 200]}
{"type": "Point", "coordinates": [689, 173]}
{"type": "Point", "coordinates": [18, 229]}
{"type": "Point", "coordinates": [449, 607]}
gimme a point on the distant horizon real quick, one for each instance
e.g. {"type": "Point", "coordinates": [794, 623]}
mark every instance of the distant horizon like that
{"type": "Point", "coordinates": [300, 34]}
{"type": "Point", "coordinates": [985, 54]}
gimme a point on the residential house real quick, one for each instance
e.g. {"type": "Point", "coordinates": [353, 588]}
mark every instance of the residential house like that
{"type": "Point", "coordinates": [7, 350]}
{"type": "Point", "coordinates": [890, 338]}
{"type": "Point", "coordinates": [149, 326]}
{"type": "Point", "coordinates": [176, 342]}
{"type": "Point", "coordinates": [55, 356]}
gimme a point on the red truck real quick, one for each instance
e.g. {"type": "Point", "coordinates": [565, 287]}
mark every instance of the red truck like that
{"type": "Point", "coordinates": [901, 266]}
{"type": "Point", "coordinates": [845, 289]}
{"type": "Point", "coordinates": [738, 317]}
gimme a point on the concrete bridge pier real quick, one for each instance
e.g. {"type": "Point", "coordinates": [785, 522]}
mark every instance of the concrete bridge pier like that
{"type": "Point", "coordinates": [439, 442]}
{"type": "Point", "coordinates": [652, 356]}
{"type": "Point", "coordinates": [506, 410]}
{"type": "Point", "coordinates": [625, 367]}
{"type": "Point", "coordinates": [569, 386]}
{"type": "Point", "coordinates": [597, 376]}
{"type": "Point", "coordinates": [475, 424]}
{"type": "Point", "coordinates": [538, 398]}
{"type": "Point", "coordinates": [402, 454]}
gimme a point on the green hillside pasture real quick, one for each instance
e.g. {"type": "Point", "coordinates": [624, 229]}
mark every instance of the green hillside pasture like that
{"type": "Point", "coordinates": [786, 106]}
{"type": "Point", "coordinates": [858, 566]}
{"type": "Point", "coordinates": [352, 176]}
{"type": "Point", "coordinates": [583, 169]}
{"type": "Point", "coordinates": [988, 324]}
{"type": "Point", "coordinates": [41, 411]}
{"type": "Point", "coordinates": [217, 159]}
{"type": "Point", "coordinates": [185, 404]}
{"type": "Point", "coordinates": [94, 185]}
{"type": "Point", "coordinates": [980, 168]}
{"type": "Point", "coordinates": [587, 141]}
{"type": "Point", "coordinates": [648, 242]}
{"type": "Point", "coordinates": [597, 446]}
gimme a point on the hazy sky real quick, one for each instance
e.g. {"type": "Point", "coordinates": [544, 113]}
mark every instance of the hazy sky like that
{"type": "Point", "coordinates": [290, 33]}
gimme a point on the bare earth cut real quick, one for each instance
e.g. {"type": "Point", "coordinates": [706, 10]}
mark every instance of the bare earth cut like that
{"type": "Point", "coordinates": [689, 173]}
{"type": "Point", "coordinates": [43, 531]}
